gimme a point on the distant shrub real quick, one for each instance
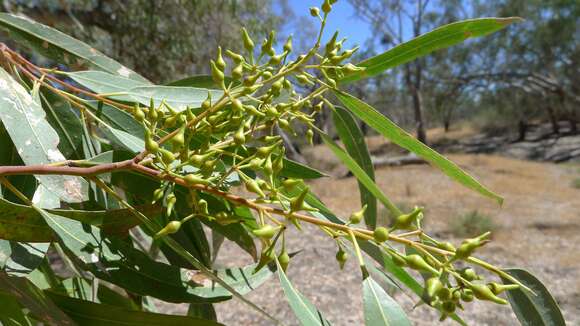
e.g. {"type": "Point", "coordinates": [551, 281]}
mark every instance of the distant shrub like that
{"type": "Point", "coordinates": [472, 224]}
{"type": "Point", "coordinates": [576, 183]}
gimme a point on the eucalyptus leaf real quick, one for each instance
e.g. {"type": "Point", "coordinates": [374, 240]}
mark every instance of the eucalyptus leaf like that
{"type": "Point", "coordinates": [380, 308]}
{"type": "Point", "coordinates": [34, 138]}
{"type": "Point", "coordinates": [21, 258]}
{"type": "Point", "coordinates": [400, 137]}
{"type": "Point", "coordinates": [533, 309]}
{"type": "Point", "coordinates": [32, 298]}
{"type": "Point", "coordinates": [439, 38]}
{"type": "Point", "coordinates": [105, 83]}
{"type": "Point", "coordinates": [87, 313]}
{"type": "Point", "coordinates": [61, 47]}
{"type": "Point", "coordinates": [179, 98]}
{"type": "Point", "coordinates": [303, 309]}
{"type": "Point", "coordinates": [355, 145]}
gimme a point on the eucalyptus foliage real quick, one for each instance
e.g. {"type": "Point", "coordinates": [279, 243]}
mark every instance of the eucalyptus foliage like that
{"type": "Point", "coordinates": [120, 179]}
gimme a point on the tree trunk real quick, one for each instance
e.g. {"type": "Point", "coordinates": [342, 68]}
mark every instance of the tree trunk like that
{"type": "Point", "coordinates": [553, 119]}
{"type": "Point", "coordinates": [418, 113]}
{"type": "Point", "coordinates": [522, 130]}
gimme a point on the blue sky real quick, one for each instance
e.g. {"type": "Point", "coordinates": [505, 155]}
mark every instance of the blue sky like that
{"type": "Point", "coordinates": [342, 18]}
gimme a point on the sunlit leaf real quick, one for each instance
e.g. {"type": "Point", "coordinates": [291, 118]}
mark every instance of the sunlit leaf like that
{"type": "Point", "coordinates": [439, 38]}
{"type": "Point", "coordinates": [380, 308]}
{"type": "Point", "coordinates": [34, 138]}
{"type": "Point", "coordinates": [400, 137]}
{"type": "Point", "coordinates": [355, 145]}
{"type": "Point", "coordinates": [303, 309]}
{"type": "Point", "coordinates": [61, 47]}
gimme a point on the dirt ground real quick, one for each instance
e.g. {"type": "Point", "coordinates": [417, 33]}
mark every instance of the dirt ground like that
{"type": "Point", "coordinates": [538, 229]}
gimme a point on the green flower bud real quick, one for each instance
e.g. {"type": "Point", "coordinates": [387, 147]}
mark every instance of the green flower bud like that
{"type": "Point", "coordinates": [381, 234]}
{"type": "Point", "coordinates": [417, 262]}
{"type": "Point", "coordinates": [341, 257]}
{"type": "Point", "coordinates": [275, 60]}
{"type": "Point", "coordinates": [268, 170]}
{"type": "Point", "coordinates": [314, 11]}
{"type": "Point", "coordinates": [331, 45]}
{"type": "Point", "coordinates": [278, 164]}
{"type": "Point", "coordinates": [202, 206]}
{"type": "Point", "coordinates": [251, 80]}
{"type": "Point", "coordinates": [171, 200]}
{"type": "Point", "coordinates": [266, 257]}
{"type": "Point", "coordinates": [239, 136]}
{"type": "Point", "coordinates": [446, 246]}
{"type": "Point", "coordinates": [405, 221]}
{"type": "Point", "coordinates": [216, 74]}
{"type": "Point", "coordinates": [297, 203]}
{"type": "Point", "coordinates": [220, 62]}
{"type": "Point", "coordinates": [138, 114]}
{"type": "Point", "coordinates": [448, 307]}
{"type": "Point", "coordinates": [467, 295]}
{"type": "Point", "coordinates": [266, 232]}
{"type": "Point", "coordinates": [266, 150]}
{"type": "Point", "coordinates": [483, 292]}
{"type": "Point", "coordinates": [284, 260]}
{"type": "Point", "coordinates": [235, 57]}
{"type": "Point", "coordinates": [248, 43]}
{"type": "Point", "coordinates": [498, 288]}
{"type": "Point", "coordinates": [326, 7]}
{"type": "Point", "coordinates": [238, 72]}
{"type": "Point", "coordinates": [288, 45]}
{"type": "Point", "coordinates": [206, 104]}
{"type": "Point", "coordinates": [152, 114]}
{"type": "Point", "coordinates": [192, 179]}
{"type": "Point", "coordinates": [179, 139]}
{"type": "Point", "coordinates": [310, 136]}
{"type": "Point", "coordinates": [151, 146]}
{"type": "Point", "coordinates": [398, 260]}
{"type": "Point", "coordinates": [170, 228]}
{"type": "Point", "coordinates": [445, 294]}
{"type": "Point", "coordinates": [157, 195]}
{"type": "Point", "coordinates": [166, 156]}
{"type": "Point", "coordinates": [432, 287]}
{"type": "Point", "coordinates": [289, 184]}
{"type": "Point", "coordinates": [252, 186]}
{"type": "Point", "coordinates": [468, 246]}
{"type": "Point", "coordinates": [470, 274]}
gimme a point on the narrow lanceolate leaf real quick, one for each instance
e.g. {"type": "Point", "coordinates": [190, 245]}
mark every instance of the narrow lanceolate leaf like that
{"type": "Point", "coordinates": [360, 174]}
{"type": "Point", "coordinates": [11, 313]}
{"type": "Point", "coordinates": [201, 81]}
{"type": "Point", "coordinates": [21, 258]}
{"type": "Point", "coordinates": [83, 240]}
{"type": "Point", "coordinates": [25, 224]}
{"type": "Point", "coordinates": [380, 308]}
{"type": "Point", "coordinates": [34, 138]}
{"type": "Point", "coordinates": [88, 313]}
{"type": "Point", "coordinates": [105, 83]}
{"type": "Point", "coordinates": [293, 169]}
{"type": "Point", "coordinates": [33, 299]}
{"type": "Point", "coordinates": [179, 98]}
{"type": "Point", "coordinates": [440, 38]}
{"type": "Point", "coordinates": [394, 133]}
{"type": "Point", "coordinates": [136, 272]}
{"type": "Point", "coordinates": [355, 145]}
{"type": "Point", "coordinates": [304, 310]}
{"type": "Point", "coordinates": [538, 308]}
{"type": "Point", "coordinates": [61, 47]}
{"type": "Point", "coordinates": [66, 122]}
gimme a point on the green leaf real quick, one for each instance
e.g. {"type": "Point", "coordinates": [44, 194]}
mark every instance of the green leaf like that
{"type": "Point", "coordinates": [24, 223]}
{"type": "Point", "coordinates": [87, 313]}
{"type": "Point", "coordinates": [82, 240]}
{"type": "Point", "coordinates": [179, 98]}
{"type": "Point", "coordinates": [10, 312]}
{"type": "Point", "coordinates": [293, 169]}
{"type": "Point", "coordinates": [35, 140]}
{"type": "Point", "coordinates": [360, 174]}
{"type": "Point", "coordinates": [303, 309]}
{"type": "Point", "coordinates": [400, 137]}
{"type": "Point", "coordinates": [442, 37]}
{"type": "Point", "coordinates": [21, 258]}
{"type": "Point", "coordinates": [380, 308]}
{"type": "Point", "coordinates": [134, 271]}
{"type": "Point", "coordinates": [355, 145]}
{"type": "Point", "coordinates": [533, 309]}
{"type": "Point", "coordinates": [106, 83]}
{"type": "Point", "coordinates": [61, 47]}
{"type": "Point", "coordinates": [201, 81]}
{"type": "Point", "coordinates": [29, 296]}
{"type": "Point", "coordinates": [66, 122]}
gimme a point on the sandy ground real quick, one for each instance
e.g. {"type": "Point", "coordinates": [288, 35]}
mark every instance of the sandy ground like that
{"type": "Point", "coordinates": [538, 229]}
